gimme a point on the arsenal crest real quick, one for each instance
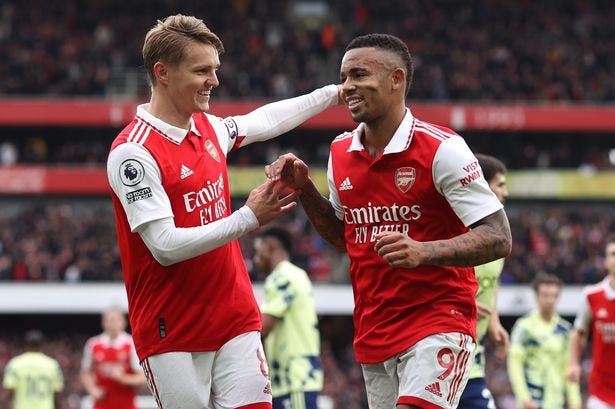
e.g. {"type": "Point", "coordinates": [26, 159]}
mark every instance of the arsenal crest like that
{"type": "Point", "coordinates": [404, 178]}
{"type": "Point", "coordinates": [209, 145]}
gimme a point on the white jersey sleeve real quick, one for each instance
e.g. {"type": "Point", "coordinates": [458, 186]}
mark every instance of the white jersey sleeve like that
{"type": "Point", "coordinates": [333, 196]}
{"type": "Point", "coordinates": [169, 244]}
{"type": "Point", "coordinates": [138, 212]}
{"type": "Point", "coordinates": [458, 177]}
{"type": "Point", "coordinates": [273, 119]}
{"type": "Point", "coordinates": [153, 218]}
{"type": "Point", "coordinates": [584, 317]}
{"type": "Point", "coordinates": [86, 358]}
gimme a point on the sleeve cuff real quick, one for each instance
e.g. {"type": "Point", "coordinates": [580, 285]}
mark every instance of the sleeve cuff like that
{"type": "Point", "coordinates": [248, 217]}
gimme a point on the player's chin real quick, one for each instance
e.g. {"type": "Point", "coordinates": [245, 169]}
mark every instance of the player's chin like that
{"type": "Point", "coordinates": [202, 106]}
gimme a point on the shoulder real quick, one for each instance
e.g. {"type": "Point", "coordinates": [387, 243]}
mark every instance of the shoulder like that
{"type": "Point", "coordinates": [433, 132]}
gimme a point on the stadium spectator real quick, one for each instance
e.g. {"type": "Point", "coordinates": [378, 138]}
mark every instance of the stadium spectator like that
{"type": "Point", "coordinates": [290, 324]}
{"type": "Point", "coordinates": [539, 351]}
{"type": "Point", "coordinates": [110, 370]}
{"type": "Point", "coordinates": [33, 379]}
{"type": "Point", "coordinates": [476, 394]}
{"type": "Point", "coordinates": [168, 173]}
{"type": "Point", "coordinates": [559, 50]}
{"type": "Point", "coordinates": [597, 316]}
{"type": "Point", "coordinates": [405, 229]}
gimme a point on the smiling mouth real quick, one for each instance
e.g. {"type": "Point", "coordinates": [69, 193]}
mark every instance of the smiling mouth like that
{"type": "Point", "coordinates": [353, 102]}
{"type": "Point", "coordinates": [204, 93]}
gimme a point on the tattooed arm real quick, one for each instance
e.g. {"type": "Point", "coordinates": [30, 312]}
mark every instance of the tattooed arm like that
{"type": "Point", "coordinates": [489, 240]}
{"type": "Point", "coordinates": [323, 218]}
{"type": "Point", "coordinates": [319, 210]}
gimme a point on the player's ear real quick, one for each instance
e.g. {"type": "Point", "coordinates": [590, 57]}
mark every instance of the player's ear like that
{"type": "Point", "coordinates": [161, 72]}
{"type": "Point", "coordinates": [398, 78]}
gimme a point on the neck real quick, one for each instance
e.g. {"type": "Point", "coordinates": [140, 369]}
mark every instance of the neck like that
{"type": "Point", "coordinates": [612, 280]}
{"type": "Point", "coordinates": [378, 133]}
{"type": "Point", "coordinates": [162, 108]}
{"type": "Point", "coordinates": [546, 315]}
{"type": "Point", "coordinates": [276, 260]}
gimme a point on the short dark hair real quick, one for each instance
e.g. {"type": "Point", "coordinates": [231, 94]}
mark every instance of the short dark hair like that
{"type": "Point", "coordinates": [543, 278]}
{"type": "Point", "coordinates": [390, 43]}
{"type": "Point", "coordinates": [490, 165]}
{"type": "Point", "coordinates": [34, 338]}
{"type": "Point", "coordinates": [610, 239]}
{"type": "Point", "coordinates": [281, 235]}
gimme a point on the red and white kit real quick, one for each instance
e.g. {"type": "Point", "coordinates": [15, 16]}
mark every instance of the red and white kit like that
{"type": "Point", "coordinates": [103, 355]}
{"type": "Point", "coordinates": [428, 185]}
{"type": "Point", "coordinates": [598, 314]}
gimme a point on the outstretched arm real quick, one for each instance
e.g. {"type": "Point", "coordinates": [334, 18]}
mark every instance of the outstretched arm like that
{"type": "Point", "coordinates": [276, 118]}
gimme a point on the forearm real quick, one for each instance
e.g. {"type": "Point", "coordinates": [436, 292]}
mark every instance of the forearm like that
{"type": "Point", "coordinates": [279, 117]}
{"type": "Point", "coordinates": [169, 244]}
{"type": "Point", "coordinates": [88, 382]}
{"type": "Point", "coordinates": [517, 378]}
{"type": "Point", "coordinates": [132, 379]}
{"type": "Point", "coordinates": [322, 216]}
{"type": "Point", "coordinates": [488, 241]}
{"type": "Point", "coordinates": [577, 344]}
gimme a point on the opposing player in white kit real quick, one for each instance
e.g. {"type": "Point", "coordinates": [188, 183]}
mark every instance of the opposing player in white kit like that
{"type": "Point", "coordinates": [194, 318]}
{"type": "Point", "coordinates": [409, 204]}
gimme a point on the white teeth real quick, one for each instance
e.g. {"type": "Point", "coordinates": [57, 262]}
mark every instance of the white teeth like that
{"type": "Point", "coordinates": [353, 101]}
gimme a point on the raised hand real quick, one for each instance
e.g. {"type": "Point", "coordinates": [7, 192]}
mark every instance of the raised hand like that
{"type": "Point", "coordinates": [267, 203]}
{"type": "Point", "coordinates": [288, 169]}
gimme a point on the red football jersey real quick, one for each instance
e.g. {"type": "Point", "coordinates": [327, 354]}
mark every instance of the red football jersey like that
{"type": "Point", "coordinates": [602, 376]}
{"type": "Point", "coordinates": [102, 355]}
{"type": "Point", "coordinates": [201, 303]}
{"type": "Point", "coordinates": [403, 190]}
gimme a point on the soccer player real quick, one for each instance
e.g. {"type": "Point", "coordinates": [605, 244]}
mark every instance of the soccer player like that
{"type": "Point", "coordinates": [410, 206]}
{"type": "Point", "coordinates": [597, 315]}
{"type": "Point", "coordinates": [110, 370]}
{"type": "Point", "coordinates": [194, 319]}
{"type": "Point", "coordinates": [476, 395]}
{"type": "Point", "coordinates": [290, 324]}
{"type": "Point", "coordinates": [33, 379]}
{"type": "Point", "coordinates": [539, 352]}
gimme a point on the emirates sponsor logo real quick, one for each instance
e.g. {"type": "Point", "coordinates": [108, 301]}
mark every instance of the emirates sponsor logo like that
{"type": "Point", "coordinates": [211, 149]}
{"type": "Point", "coordinates": [377, 214]}
{"type": "Point", "coordinates": [404, 178]}
{"type": "Point", "coordinates": [434, 388]}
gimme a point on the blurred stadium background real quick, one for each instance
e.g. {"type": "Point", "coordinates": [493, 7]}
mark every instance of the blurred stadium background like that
{"type": "Point", "coordinates": [529, 82]}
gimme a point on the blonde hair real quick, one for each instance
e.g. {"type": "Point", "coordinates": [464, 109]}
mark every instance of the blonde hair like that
{"type": "Point", "coordinates": [167, 40]}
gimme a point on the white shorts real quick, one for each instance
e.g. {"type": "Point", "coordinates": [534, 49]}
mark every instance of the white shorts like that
{"type": "Point", "coordinates": [595, 403]}
{"type": "Point", "coordinates": [431, 374]}
{"type": "Point", "coordinates": [234, 376]}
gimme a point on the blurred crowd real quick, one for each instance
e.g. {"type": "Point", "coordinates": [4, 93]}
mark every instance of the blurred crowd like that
{"type": "Point", "coordinates": [521, 150]}
{"type": "Point", "coordinates": [74, 240]}
{"type": "Point", "coordinates": [555, 50]}
{"type": "Point", "coordinates": [343, 382]}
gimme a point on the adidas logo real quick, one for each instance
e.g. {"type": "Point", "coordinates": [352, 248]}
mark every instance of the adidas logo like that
{"type": "Point", "coordinates": [346, 185]}
{"type": "Point", "coordinates": [185, 172]}
{"type": "Point", "coordinates": [434, 388]}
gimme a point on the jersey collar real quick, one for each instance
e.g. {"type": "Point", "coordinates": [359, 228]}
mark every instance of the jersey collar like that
{"type": "Point", "coordinates": [169, 131]}
{"type": "Point", "coordinates": [399, 142]}
{"type": "Point", "coordinates": [608, 290]}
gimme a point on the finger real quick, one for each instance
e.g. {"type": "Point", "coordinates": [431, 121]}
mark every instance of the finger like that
{"type": "Point", "coordinates": [289, 198]}
{"type": "Point", "coordinates": [288, 207]}
{"type": "Point", "coordinates": [270, 172]}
